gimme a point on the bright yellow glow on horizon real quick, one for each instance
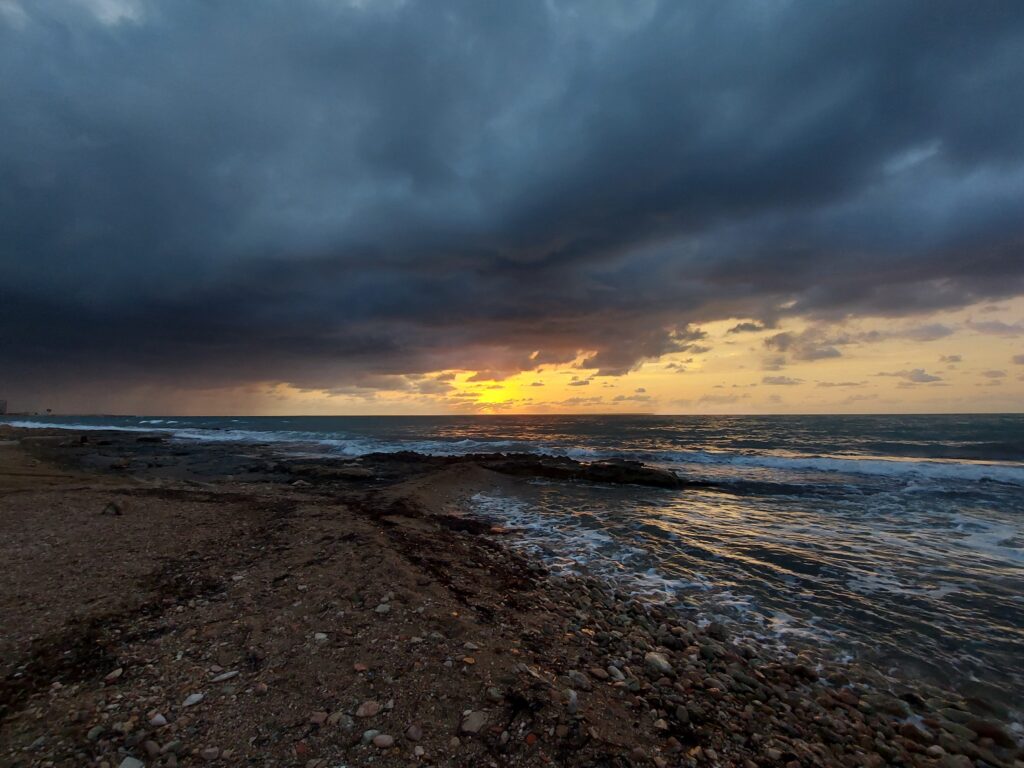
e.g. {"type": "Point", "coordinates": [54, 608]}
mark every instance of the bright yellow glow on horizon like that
{"type": "Point", "coordinates": [962, 361]}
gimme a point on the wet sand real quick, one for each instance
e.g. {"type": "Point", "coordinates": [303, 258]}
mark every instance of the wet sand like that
{"type": "Point", "coordinates": [218, 604]}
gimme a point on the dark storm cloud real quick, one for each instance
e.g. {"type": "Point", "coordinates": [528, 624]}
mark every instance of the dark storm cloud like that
{"type": "Point", "coordinates": [326, 192]}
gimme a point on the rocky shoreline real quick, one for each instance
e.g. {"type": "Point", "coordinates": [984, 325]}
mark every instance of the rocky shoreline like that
{"type": "Point", "coordinates": [216, 604]}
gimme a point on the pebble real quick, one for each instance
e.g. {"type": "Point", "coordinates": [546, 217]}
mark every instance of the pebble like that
{"type": "Point", "coordinates": [580, 680]}
{"type": "Point", "coordinates": [383, 741]}
{"type": "Point", "coordinates": [572, 701]}
{"type": "Point", "coordinates": [210, 753]}
{"type": "Point", "coordinates": [158, 720]}
{"type": "Point", "coordinates": [369, 735]}
{"type": "Point", "coordinates": [318, 718]}
{"type": "Point", "coordinates": [368, 708]}
{"type": "Point", "coordinates": [495, 695]}
{"type": "Point", "coordinates": [382, 609]}
{"type": "Point", "coordinates": [656, 662]}
{"type": "Point", "coordinates": [473, 722]}
{"type": "Point", "coordinates": [419, 751]}
{"type": "Point", "coordinates": [259, 689]}
{"type": "Point", "coordinates": [94, 733]}
{"type": "Point", "coordinates": [320, 637]}
{"type": "Point", "coordinates": [131, 762]}
{"type": "Point", "coordinates": [193, 699]}
{"type": "Point", "coordinates": [225, 676]}
{"type": "Point", "coordinates": [414, 733]}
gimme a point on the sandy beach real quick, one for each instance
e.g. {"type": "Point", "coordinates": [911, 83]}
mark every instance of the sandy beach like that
{"type": "Point", "coordinates": [174, 603]}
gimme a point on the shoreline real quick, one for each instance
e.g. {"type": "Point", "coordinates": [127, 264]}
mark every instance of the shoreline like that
{"type": "Point", "coordinates": [222, 566]}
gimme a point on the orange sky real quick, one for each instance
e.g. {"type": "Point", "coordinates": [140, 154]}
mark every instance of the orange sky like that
{"type": "Point", "coordinates": [959, 361]}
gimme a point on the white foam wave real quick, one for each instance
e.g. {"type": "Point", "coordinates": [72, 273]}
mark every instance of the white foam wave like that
{"type": "Point", "coordinates": [912, 471]}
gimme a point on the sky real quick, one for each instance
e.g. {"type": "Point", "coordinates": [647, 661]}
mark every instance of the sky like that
{"type": "Point", "coordinates": [477, 206]}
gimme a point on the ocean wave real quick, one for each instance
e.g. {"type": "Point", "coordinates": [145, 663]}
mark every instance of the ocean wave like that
{"type": "Point", "coordinates": [694, 461]}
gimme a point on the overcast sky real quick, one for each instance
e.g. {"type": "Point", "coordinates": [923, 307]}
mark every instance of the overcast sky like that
{"type": "Point", "coordinates": [333, 204]}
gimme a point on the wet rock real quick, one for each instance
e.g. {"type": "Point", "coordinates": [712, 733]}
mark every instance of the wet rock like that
{"type": "Point", "coordinates": [987, 730]}
{"type": "Point", "coordinates": [193, 699]}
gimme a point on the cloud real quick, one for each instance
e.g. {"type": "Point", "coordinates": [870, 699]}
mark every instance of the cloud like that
{"type": "Point", "coordinates": [780, 380]}
{"type": "Point", "coordinates": [915, 376]}
{"type": "Point", "coordinates": [805, 346]}
{"type": "Point", "coordinates": [325, 193]}
{"type": "Point", "coordinates": [997, 328]}
{"type": "Point", "coordinates": [841, 384]}
{"type": "Point", "coordinates": [633, 398]}
{"type": "Point", "coordinates": [1018, 359]}
{"type": "Point", "coordinates": [749, 327]}
{"type": "Point", "coordinates": [994, 374]}
{"type": "Point", "coordinates": [951, 359]}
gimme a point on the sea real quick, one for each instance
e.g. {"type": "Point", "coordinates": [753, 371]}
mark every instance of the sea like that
{"type": "Point", "coordinates": [895, 541]}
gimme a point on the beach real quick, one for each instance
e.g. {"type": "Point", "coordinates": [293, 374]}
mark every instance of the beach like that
{"type": "Point", "coordinates": [178, 602]}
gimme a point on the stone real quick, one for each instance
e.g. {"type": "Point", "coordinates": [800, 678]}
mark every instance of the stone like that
{"type": "Point", "coordinates": [382, 609]}
{"type": "Point", "coordinates": [580, 680]}
{"type": "Point", "coordinates": [369, 735]}
{"type": "Point", "coordinates": [419, 751]}
{"type": "Point", "coordinates": [318, 718]}
{"type": "Point", "coordinates": [131, 762]}
{"type": "Point", "coordinates": [225, 676]}
{"type": "Point", "coordinates": [572, 701]}
{"type": "Point", "coordinates": [260, 689]}
{"type": "Point", "coordinates": [383, 741]}
{"type": "Point", "coordinates": [158, 720]}
{"type": "Point", "coordinates": [368, 708]}
{"type": "Point", "coordinates": [113, 676]}
{"type": "Point", "coordinates": [112, 508]}
{"type": "Point", "coordinates": [657, 663]}
{"type": "Point", "coordinates": [210, 753]}
{"type": "Point", "coordinates": [94, 733]}
{"type": "Point", "coordinates": [151, 747]}
{"type": "Point", "coordinates": [414, 733]}
{"type": "Point", "coordinates": [342, 719]}
{"type": "Point", "coordinates": [193, 699]}
{"type": "Point", "coordinates": [473, 722]}
{"type": "Point", "coordinates": [319, 637]}
{"type": "Point", "coordinates": [495, 695]}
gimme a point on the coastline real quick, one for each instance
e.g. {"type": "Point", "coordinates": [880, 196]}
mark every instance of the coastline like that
{"type": "Point", "coordinates": [311, 601]}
